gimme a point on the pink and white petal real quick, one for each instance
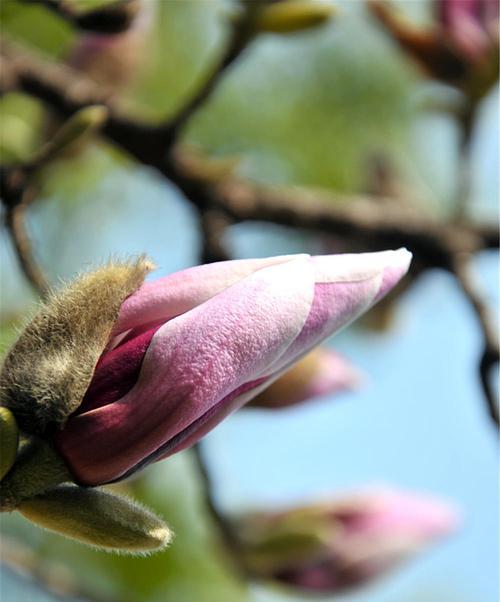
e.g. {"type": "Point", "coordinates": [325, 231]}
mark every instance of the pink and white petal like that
{"type": "Point", "coordinates": [193, 362]}
{"type": "Point", "coordinates": [346, 286]}
{"type": "Point", "coordinates": [335, 306]}
{"type": "Point", "coordinates": [178, 293]}
{"type": "Point", "coordinates": [352, 267]}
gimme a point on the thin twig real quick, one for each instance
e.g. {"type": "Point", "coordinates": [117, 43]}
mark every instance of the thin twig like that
{"type": "Point", "coordinates": [16, 195]}
{"type": "Point", "coordinates": [490, 354]}
{"type": "Point", "coordinates": [242, 32]}
{"type": "Point", "coordinates": [66, 91]}
{"type": "Point", "coordinates": [230, 539]}
{"type": "Point", "coordinates": [16, 225]}
{"type": "Point", "coordinates": [466, 120]}
{"type": "Point", "coordinates": [374, 223]}
{"type": "Point", "coordinates": [213, 226]}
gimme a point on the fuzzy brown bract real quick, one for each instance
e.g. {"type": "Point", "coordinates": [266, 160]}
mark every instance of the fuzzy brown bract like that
{"type": "Point", "coordinates": [49, 368]}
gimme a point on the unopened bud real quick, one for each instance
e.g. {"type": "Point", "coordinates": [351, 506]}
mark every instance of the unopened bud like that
{"type": "Point", "coordinates": [293, 15]}
{"type": "Point", "coordinates": [78, 127]}
{"type": "Point", "coordinates": [9, 441]}
{"type": "Point", "coordinates": [98, 518]}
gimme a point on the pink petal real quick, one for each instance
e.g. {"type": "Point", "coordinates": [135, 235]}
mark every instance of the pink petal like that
{"type": "Point", "coordinates": [178, 293]}
{"type": "Point", "coordinates": [346, 286]}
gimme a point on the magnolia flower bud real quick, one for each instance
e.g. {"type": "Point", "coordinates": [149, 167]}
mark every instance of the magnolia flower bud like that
{"type": "Point", "coordinates": [462, 50]}
{"type": "Point", "coordinates": [472, 25]}
{"type": "Point", "coordinates": [79, 127]}
{"type": "Point", "coordinates": [321, 372]}
{"type": "Point", "coordinates": [345, 543]}
{"type": "Point", "coordinates": [191, 348]}
{"type": "Point", "coordinates": [184, 351]}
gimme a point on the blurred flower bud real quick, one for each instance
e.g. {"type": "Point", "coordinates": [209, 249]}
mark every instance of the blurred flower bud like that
{"type": "Point", "coordinates": [332, 547]}
{"type": "Point", "coordinates": [321, 372]}
{"type": "Point", "coordinates": [472, 26]}
{"type": "Point", "coordinates": [113, 59]}
{"type": "Point", "coordinates": [98, 518]}
{"type": "Point", "coordinates": [293, 15]}
{"type": "Point", "coordinates": [462, 50]}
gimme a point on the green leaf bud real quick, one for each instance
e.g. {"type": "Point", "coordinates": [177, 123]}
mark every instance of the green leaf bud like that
{"type": "Point", "coordinates": [78, 127]}
{"type": "Point", "coordinates": [293, 15]}
{"type": "Point", "coordinates": [9, 441]}
{"type": "Point", "coordinates": [98, 518]}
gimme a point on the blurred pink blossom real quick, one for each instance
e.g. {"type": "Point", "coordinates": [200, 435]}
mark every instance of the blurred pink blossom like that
{"type": "Point", "coordinates": [321, 372]}
{"type": "Point", "coordinates": [471, 24]}
{"type": "Point", "coordinates": [352, 540]}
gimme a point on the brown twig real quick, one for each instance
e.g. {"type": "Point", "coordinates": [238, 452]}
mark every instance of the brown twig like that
{"type": "Point", "coordinates": [67, 91]}
{"type": "Point", "coordinates": [213, 225]}
{"type": "Point", "coordinates": [230, 539]}
{"type": "Point", "coordinates": [375, 223]}
{"type": "Point", "coordinates": [16, 196]}
{"type": "Point", "coordinates": [465, 120]}
{"type": "Point", "coordinates": [490, 354]}
{"type": "Point", "coordinates": [241, 33]}
{"type": "Point", "coordinates": [16, 225]}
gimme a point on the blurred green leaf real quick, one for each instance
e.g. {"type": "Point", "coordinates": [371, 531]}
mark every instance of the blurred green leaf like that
{"type": "Point", "coordinates": [36, 26]}
{"type": "Point", "coordinates": [21, 118]}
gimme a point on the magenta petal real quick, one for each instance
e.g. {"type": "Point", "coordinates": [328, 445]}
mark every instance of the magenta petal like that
{"type": "Point", "coordinates": [117, 372]}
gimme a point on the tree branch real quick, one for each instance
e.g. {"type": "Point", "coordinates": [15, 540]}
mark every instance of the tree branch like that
{"type": "Point", "coordinates": [490, 354]}
{"type": "Point", "coordinates": [374, 223]}
{"type": "Point", "coordinates": [213, 225]}
{"type": "Point", "coordinates": [228, 534]}
{"type": "Point", "coordinates": [16, 196]}
{"type": "Point", "coordinates": [242, 32]}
